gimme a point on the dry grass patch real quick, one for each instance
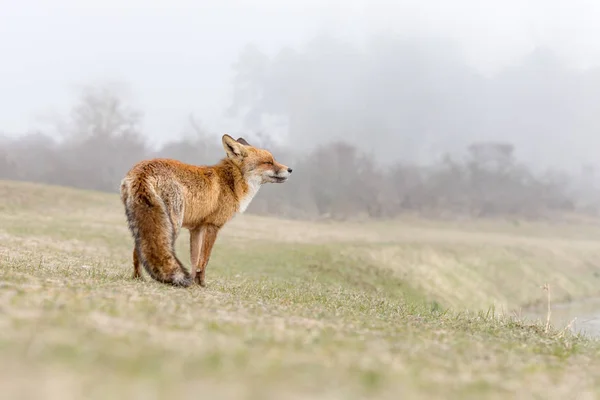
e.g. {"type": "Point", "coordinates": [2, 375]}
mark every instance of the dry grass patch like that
{"type": "Point", "coordinates": [292, 310]}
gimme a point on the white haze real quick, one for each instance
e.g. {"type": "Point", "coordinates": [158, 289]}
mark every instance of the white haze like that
{"type": "Point", "coordinates": [176, 55]}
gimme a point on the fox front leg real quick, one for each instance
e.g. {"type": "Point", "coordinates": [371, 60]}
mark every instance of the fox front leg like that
{"type": "Point", "coordinates": [208, 238]}
{"type": "Point", "coordinates": [195, 250]}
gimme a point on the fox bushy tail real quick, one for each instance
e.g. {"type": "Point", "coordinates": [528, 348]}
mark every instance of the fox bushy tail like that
{"type": "Point", "coordinates": [154, 233]}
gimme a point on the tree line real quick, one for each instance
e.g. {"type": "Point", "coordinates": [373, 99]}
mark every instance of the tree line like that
{"type": "Point", "coordinates": [335, 180]}
{"type": "Point", "coordinates": [395, 126]}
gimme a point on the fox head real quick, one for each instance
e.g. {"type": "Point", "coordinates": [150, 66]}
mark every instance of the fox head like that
{"type": "Point", "coordinates": [255, 163]}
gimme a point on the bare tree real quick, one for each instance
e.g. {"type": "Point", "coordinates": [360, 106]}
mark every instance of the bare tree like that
{"type": "Point", "coordinates": [102, 139]}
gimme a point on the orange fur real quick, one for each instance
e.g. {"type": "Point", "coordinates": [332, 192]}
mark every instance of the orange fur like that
{"type": "Point", "coordinates": [161, 196]}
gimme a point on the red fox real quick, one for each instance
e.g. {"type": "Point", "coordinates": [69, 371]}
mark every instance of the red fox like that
{"type": "Point", "coordinates": [161, 196]}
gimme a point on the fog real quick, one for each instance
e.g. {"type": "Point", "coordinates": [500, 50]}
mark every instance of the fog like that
{"type": "Point", "coordinates": [402, 83]}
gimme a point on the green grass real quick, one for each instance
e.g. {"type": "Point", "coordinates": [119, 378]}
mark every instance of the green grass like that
{"type": "Point", "coordinates": [400, 309]}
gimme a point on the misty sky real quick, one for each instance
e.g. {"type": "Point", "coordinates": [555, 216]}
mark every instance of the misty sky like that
{"type": "Point", "coordinates": [176, 55]}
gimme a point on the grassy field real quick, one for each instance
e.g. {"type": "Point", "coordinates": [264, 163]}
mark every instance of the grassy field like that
{"type": "Point", "coordinates": [402, 309]}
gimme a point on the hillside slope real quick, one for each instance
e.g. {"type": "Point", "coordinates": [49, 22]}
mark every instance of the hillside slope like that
{"type": "Point", "coordinates": [292, 309]}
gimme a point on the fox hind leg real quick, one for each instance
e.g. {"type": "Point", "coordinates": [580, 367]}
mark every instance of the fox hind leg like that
{"type": "Point", "coordinates": [137, 266]}
{"type": "Point", "coordinates": [154, 227]}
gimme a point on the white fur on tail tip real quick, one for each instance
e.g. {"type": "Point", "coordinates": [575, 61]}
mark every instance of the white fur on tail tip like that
{"type": "Point", "coordinates": [179, 278]}
{"type": "Point", "coordinates": [253, 186]}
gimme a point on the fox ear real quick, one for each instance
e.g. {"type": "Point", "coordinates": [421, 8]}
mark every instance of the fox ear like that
{"type": "Point", "coordinates": [243, 141]}
{"type": "Point", "coordinates": [233, 148]}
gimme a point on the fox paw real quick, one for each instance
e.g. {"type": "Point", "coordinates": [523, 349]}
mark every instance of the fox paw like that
{"type": "Point", "coordinates": [200, 280]}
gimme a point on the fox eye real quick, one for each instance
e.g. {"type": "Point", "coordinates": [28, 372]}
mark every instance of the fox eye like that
{"type": "Point", "coordinates": [269, 162]}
